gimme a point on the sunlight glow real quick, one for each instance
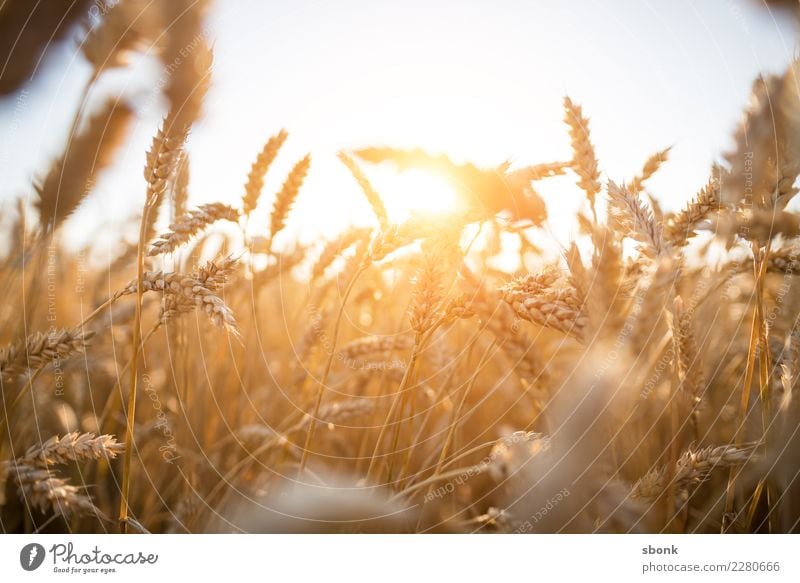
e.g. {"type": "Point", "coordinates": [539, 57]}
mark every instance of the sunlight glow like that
{"type": "Point", "coordinates": [416, 191]}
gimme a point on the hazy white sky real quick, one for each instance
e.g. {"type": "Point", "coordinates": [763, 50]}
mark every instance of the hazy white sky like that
{"type": "Point", "coordinates": [479, 80]}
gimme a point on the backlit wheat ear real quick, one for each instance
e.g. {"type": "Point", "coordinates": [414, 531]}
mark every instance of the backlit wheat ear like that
{"type": "Point", "coordinates": [458, 307]}
{"type": "Point", "coordinates": [374, 344]}
{"type": "Point", "coordinates": [541, 299]}
{"type": "Point", "coordinates": [441, 257]}
{"type": "Point", "coordinates": [396, 236]}
{"type": "Point", "coordinates": [692, 468]}
{"type": "Point", "coordinates": [539, 171]}
{"type": "Point", "coordinates": [191, 224]}
{"type": "Point", "coordinates": [690, 372]}
{"type": "Point", "coordinates": [636, 221]}
{"type": "Point", "coordinates": [215, 274]}
{"type": "Point", "coordinates": [287, 196]}
{"type": "Point", "coordinates": [204, 299]}
{"type": "Point", "coordinates": [183, 293]}
{"type": "Point", "coordinates": [72, 177]}
{"type": "Point", "coordinates": [180, 191]}
{"type": "Point", "coordinates": [284, 263]}
{"type": "Point", "coordinates": [767, 147]}
{"type": "Point", "coordinates": [259, 169]}
{"type": "Point", "coordinates": [681, 225]}
{"type": "Point", "coordinates": [74, 447]}
{"type": "Point", "coordinates": [39, 349]}
{"type": "Point", "coordinates": [370, 193]}
{"type": "Point", "coordinates": [651, 166]}
{"type": "Point", "coordinates": [579, 277]}
{"type": "Point", "coordinates": [762, 225]}
{"type": "Point", "coordinates": [161, 162]}
{"type": "Point", "coordinates": [500, 320]}
{"type": "Point", "coordinates": [158, 281]}
{"type": "Point", "coordinates": [46, 492]}
{"type": "Point", "coordinates": [784, 260]}
{"type": "Point", "coordinates": [584, 160]}
{"type": "Point", "coordinates": [335, 248]}
{"type": "Point", "coordinates": [125, 27]}
{"type": "Point", "coordinates": [387, 241]}
{"type": "Point", "coordinates": [604, 302]}
{"type": "Point", "coordinates": [188, 58]}
{"type": "Point", "coordinates": [340, 411]}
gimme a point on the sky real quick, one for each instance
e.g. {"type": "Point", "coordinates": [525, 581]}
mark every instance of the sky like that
{"type": "Point", "coordinates": [480, 81]}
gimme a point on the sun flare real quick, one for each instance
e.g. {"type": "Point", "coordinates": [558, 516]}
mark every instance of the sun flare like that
{"type": "Point", "coordinates": [416, 191]}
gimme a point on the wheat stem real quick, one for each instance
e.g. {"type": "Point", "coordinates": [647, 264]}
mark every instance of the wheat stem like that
{"type": "Point", "coordinates": [324, 379]}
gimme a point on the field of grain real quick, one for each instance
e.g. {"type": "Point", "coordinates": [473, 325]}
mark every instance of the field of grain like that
{"type": "Point", "coordinates": [400, 377]}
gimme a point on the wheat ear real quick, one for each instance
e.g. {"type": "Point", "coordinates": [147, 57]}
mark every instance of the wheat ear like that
{"type": "Point", "coordinates": [287, 195]}
{"type": "Point", "coordinates": [370, 193]}
{"type": "Point", "coordinates": [71, 178]}
{"type": "Point", "coordinates": [651, 166]}
{"type": "Point", "coordinates": [259, 169]}
{"type": "Point", "coordinates": [635, 220]}
{"type": "Point", "coordinates": [41, 348]}
{"type": "Point", "coordinates": [192, 223]}
{"type": "Point", "coordinates": [584, 160]}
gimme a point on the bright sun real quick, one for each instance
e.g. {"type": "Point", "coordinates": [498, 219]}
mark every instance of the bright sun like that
{"type": "Point", "coordinates": [415, 191]}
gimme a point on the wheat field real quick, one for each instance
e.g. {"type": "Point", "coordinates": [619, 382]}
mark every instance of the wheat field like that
{"type": "Point", "coordinates": [400, 377]}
